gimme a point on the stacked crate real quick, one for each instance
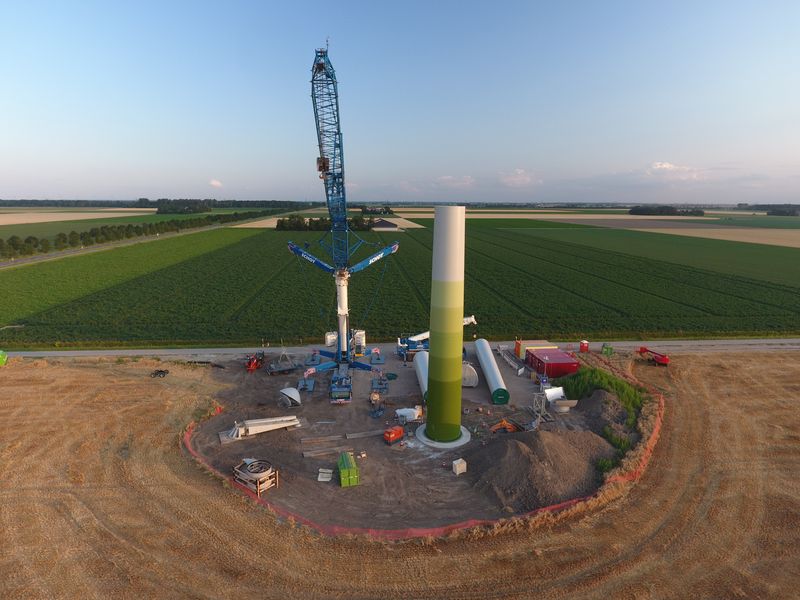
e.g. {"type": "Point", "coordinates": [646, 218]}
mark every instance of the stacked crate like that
{"type": "Point", "coordinates": [348, 471]}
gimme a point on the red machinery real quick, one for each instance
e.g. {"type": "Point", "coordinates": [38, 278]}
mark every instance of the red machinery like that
{"type": "Point", "coordinates": [394, 435]}
{"type": "Point", "coordinates": [656, 357]}
{"type": "Point", "coordinates": [254, 362]}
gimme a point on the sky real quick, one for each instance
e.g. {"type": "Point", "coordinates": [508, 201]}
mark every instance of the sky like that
{"type": "Point", "coordinates": [634, 101]}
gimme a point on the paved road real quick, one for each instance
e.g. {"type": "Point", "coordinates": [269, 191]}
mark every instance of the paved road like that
{"type": "Point", "coordinates": [729, 345]}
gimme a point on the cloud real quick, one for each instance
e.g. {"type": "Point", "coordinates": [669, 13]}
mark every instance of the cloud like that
{"type": "Point", "coordinates": [461, 182]}
{"type": "Point", "coordinates": [408, 187]}
{"type": "Point", "coordinates": [215, 183]}
{"type": "Point", "coordinates": [670, 171]}
{"type": "Point", "coordinates": [518, 178]}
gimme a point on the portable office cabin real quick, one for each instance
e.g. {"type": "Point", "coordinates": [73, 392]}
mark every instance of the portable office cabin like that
{"type": "Point", "coordinates": [553, 363]}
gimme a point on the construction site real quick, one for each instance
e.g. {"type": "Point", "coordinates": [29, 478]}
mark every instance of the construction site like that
{"type": "Point", "coordinates": [439, 465]}
{"type": "Point", "coordinates": [402, 482]}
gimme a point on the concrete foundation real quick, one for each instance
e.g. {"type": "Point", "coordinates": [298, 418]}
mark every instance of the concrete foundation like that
{"type": "Point", "coordinates": [422, 437]}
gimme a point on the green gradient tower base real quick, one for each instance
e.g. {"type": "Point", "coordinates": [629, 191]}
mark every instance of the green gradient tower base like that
{"type": "Point", "coordinates": [443, 423]}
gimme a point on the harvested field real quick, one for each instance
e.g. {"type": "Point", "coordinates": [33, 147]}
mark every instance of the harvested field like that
{"type": "Point", "coordinates": [260, 224]}
{"type": "Point", "coordinates": [99, 501]}
{"type": "Point", "coordinates": [17, 218]}
{"type": "Point", "coordinates": [789, 238]}
{"type": "Point", "coordinates": [403, 222]}
{"type": "Point", "coordinates": [552, 216]}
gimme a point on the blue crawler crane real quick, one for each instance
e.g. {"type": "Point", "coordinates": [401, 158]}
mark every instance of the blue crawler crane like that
{"type": "Point", "coordinates": [330, 165]}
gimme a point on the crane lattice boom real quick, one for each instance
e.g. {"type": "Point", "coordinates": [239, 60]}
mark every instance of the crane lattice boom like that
{"type": "Point", "coordinates": [330, 164]}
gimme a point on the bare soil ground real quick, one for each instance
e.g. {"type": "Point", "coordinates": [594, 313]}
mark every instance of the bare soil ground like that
{"type": "Point", "coordinates": [408, 485]}
{"type": "Point", "coordinates": [551, 216]}
{"type": "Point", "coordinates": [98, 500]}
{"type": "Point", "coordinates": [17, 218]}
{"type": "Point", "coordinates": [755, 235]}
{"type": "Point", "coordinates": [268, 223]}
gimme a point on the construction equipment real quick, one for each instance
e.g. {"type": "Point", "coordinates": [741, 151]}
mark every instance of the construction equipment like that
{"type": "Point", "coordinates": [656, 357]}
{"type": "Point", "coordinates": [256, 475]}
{"type": "Point", "coordinates": [330, 164]}
{"type": "Point", "coordinates": [506, 425]}
{"type": "Point", "coordinates": [160, 373]}
{"type": "Point", "coordinates": [558, 400]}
{"type": "Point", "coordinates": [341, 389]}
{"type": "Point", "coordinates": [282, 365]}
{"type": "Point", "coordinates": [3, 358]}
{"type": "Point", "coordinates": [409, 345]}
{"type": "Point", "coordinates": [393, 435]}
{"type": "Point", "coordinates": [408, 415]}
{"type": "Point", "coordinates": [254, 362]}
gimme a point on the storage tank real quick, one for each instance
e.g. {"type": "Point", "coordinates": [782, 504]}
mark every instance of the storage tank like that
{"type": "Point", "coordinates": [492, 374]}
{"type": "Point", "coordinates": [421, 369]}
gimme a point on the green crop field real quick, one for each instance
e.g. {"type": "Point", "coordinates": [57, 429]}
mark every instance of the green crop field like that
{"type": "Point", "coordinates": [760, 221]}
{"type": "Point", "coordinates": [237, 286]}
{"type": "Point", "coordinates": [50, 230]}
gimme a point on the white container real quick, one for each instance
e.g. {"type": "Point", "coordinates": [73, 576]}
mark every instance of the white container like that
{"type": "Point", "coordinates": [421, 369]}
{"type": "Point", "coordinates": [360, 342]}
{"type": "Point", "coordinates": [469, 376]}
{"type": "Point", "coordinates": [459, 466]}
{"type": "Point", "coordinates": [330, 339]}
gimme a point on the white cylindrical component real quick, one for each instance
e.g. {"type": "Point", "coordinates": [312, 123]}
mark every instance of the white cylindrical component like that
{"type": "Point", "coordinates": [469, 376]}
{"type": "Point", "coordinates": [342, 310]}
{"type": "Point", "coordinates": [448, 265]}
{"type": "Point", "coordinates": [490, 371]}
{"type": "Point", "coordinates": [421, 369]}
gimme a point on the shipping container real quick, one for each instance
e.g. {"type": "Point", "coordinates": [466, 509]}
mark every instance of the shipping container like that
{"type": "Point", "coordinates": [348, 471]}
{"type": "Point", "coordinates": [521, 346]}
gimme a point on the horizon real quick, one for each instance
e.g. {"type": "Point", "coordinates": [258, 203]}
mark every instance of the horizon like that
{"type": "Point", "coordinates": [452, 103]}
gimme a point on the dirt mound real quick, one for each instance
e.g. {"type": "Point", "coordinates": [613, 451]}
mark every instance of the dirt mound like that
{"type": "Point", "coordinates": [524, 471]}
{"type": "Point", "coordinates": [600, 409]}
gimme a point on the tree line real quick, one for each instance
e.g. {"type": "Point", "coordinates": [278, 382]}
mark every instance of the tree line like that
{"type": "Point", "coordinates": [15, 246]}
{"type": "Point", "coordinates": [298, 223]}
{"type": "Point", "coordinates": [668, 211]}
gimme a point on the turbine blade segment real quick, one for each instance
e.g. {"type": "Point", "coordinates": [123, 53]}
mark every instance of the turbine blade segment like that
{"type": "Point", "coordinates": [310, 258]}
{"type": "Point", "coordinates": [374, 258]}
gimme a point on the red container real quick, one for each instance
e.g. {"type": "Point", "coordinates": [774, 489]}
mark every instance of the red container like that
{"type": "Point", "coordinates": [552, 363]}
{"type": "Point", "coordinates": [584, 347]}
